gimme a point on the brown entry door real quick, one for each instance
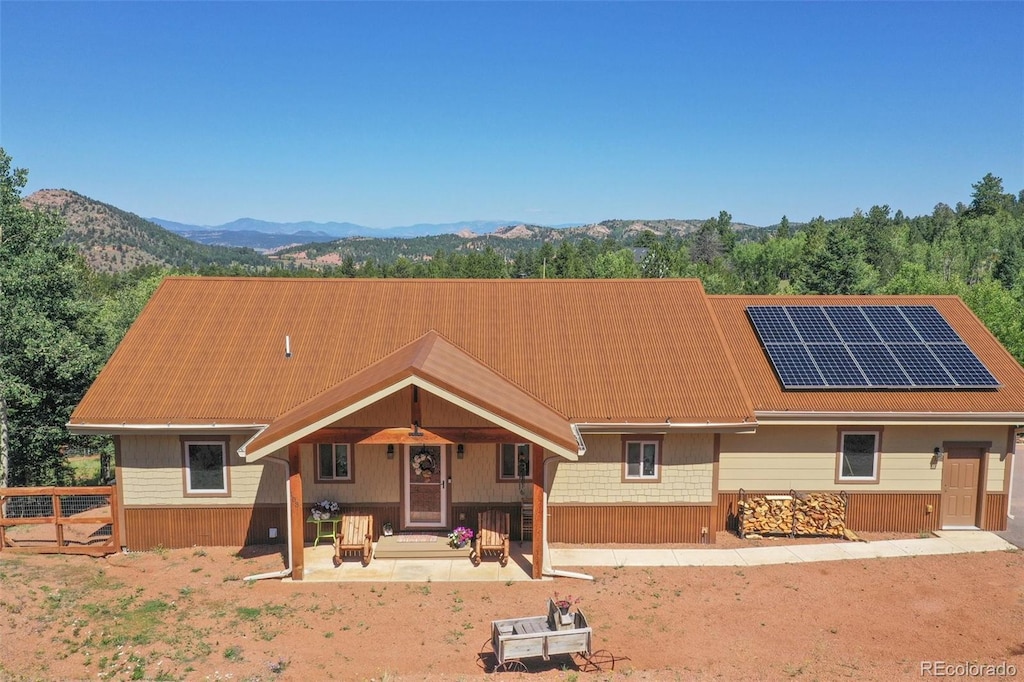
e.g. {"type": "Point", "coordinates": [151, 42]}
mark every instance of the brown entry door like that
{"type": "Point", "coordinates": [960, 474]}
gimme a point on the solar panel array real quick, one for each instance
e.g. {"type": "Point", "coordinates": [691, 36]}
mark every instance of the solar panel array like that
{"type": "Point", "coordinates": [866, 347]}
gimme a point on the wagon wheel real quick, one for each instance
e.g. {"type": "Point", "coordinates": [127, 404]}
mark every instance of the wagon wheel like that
{"type": "Point", "coordinates": [511, 666]}
{"type": "Point", "coordinates": [597, 661]}
{"type": "Point", "coordinates": [485, 657]}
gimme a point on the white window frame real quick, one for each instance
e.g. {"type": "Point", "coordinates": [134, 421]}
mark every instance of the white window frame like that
{"type": "Point", "coordinates": [224, 490]}
{"type": "Point", "coordinates": [334, 463]}
{"type": "Point", "coordinates": [641, 476]}
{"type": "Point", "coordinates": [841, 457]}
{"type": "Point", "coordinates": [527, 475]}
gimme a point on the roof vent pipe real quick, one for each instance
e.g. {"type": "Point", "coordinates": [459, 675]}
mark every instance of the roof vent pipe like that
{"type": "Point", "coordinates": [287, 346]}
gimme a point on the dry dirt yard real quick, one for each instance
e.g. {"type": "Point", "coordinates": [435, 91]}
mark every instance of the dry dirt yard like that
{"type": "Point", "coordinates": [187, 615]}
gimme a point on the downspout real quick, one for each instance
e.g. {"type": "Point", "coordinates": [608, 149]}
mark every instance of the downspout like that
{"type": "Point", "coordinates": [288, 524]}
{"type": "Point", "coordinates": [546, 568]}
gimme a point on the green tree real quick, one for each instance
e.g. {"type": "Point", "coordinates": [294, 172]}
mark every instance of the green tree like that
{"type": "Point", "coordinates": [616, 265]}
{"type": "Point", "coordinates": [837, 268]}
{"type": "Point", "coordinates": [50, 346]}
{"type": "Point", "coordinates": [784, 231]}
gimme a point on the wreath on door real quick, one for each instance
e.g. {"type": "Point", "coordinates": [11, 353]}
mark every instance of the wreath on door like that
{"type": "Point", "coordinates": [423, 464]}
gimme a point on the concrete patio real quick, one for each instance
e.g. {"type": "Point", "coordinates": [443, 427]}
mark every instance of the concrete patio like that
{"type": "Point", "coordinates": [320, 566]}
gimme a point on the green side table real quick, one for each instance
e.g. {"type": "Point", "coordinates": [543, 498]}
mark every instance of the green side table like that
{"type": "Point", "coordinates": [326, 529]}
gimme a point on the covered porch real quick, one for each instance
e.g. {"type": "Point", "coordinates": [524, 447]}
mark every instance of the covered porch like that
{"type": "Point", "coordinates": [319, 567]}
{"type": "Point", "coordinates": [424, 441]}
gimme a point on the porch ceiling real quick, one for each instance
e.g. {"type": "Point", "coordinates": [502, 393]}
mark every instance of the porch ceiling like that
{"type": "Point", "coordinates": [403, 436]}
{"type": "Point", "coordinates": [436, 365]}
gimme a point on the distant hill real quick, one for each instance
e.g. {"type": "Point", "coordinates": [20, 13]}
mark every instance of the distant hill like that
{"type": "Point", "coordinates": [113, 240]}
{"type": "Point", "coordinates": [267, 236]}
{"type": "Point", "coordinates": [507, 241]}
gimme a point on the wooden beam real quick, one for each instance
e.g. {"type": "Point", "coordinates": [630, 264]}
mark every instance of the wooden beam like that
{"type": "Point", "coordinates": [456, 434]}
{"type": "Point", "coordinates": [479, 434]}
{"type": "Point", "coordinates": [539, 520]}
{"type": "Point", "coordinates": [298, 523]}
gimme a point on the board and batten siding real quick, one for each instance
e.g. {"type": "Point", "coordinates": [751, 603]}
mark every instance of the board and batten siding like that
{"type": "Point", "coordinates": [152, 473]}
{"type": "Point", "coordinates": [687, 472]}
{"type": "Point", "coordinates": [804, 458]}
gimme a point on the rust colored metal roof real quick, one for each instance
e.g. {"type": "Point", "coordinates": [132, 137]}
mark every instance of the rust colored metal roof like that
{"type": "Point", "coordinates": [768, 395]}
{"type": "Point", "coordinates": [212, 350]}
{"type": "Point", "coordinates": [435, 364]}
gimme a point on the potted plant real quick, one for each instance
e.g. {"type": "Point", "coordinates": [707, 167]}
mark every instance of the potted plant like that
{"type": "Point", "coordinates": [566, 602]}
{"type": "Point", "coordinates": [325, 509]}
{"type": "Point", "coordinates": [460, 537]}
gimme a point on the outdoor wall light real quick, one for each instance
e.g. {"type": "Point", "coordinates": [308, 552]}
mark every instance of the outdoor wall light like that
{"type": "Point", "coordinates": [460, 451]}
{"type": "Point", "coordinates": [938, 454]}
{"type": "Point", "coordinates": [391, 452]}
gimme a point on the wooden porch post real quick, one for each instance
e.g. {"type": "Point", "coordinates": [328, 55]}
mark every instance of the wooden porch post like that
{"type": "Point", "coordinates": [298, 523]}
{"type": "Point", "coordinates": [539, 513]}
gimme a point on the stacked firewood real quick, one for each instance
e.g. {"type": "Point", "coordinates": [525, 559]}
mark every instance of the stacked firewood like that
{"type": "Point", "coordinates": [802, 514]}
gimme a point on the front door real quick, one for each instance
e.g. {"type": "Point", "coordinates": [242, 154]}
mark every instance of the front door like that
{"type": "Point", "coordinates": [960, 474]}
{"type": "Point", "coordinates": [426, 487]}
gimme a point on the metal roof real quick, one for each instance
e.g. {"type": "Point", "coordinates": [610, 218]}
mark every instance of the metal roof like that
{"type": "Point", "coordinates": [212, 350]}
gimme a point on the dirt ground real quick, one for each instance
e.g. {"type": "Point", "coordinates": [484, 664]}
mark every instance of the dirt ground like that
{"type": "Point", "coordinates": [187, 615]}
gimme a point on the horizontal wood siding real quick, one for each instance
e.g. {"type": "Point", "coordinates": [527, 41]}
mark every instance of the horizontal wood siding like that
{"type": "Point", "coordinates": [995, 511]}
{"type": "Point", "coordinates": [893, 512]}
{"type": "Point", "coordinates": [868, 512]}
{"type": "Point", "coordinates": [628, 524]}
{"type": "Point", "coordinates": [382, 513]}
{"type": "Point", "coordinates": [471, 512]}
{"type": "Point", "coordinates": [176, 527]}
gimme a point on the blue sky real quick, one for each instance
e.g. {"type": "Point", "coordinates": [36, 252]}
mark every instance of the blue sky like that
{"type": "Point", "coordinates": [392, 113]}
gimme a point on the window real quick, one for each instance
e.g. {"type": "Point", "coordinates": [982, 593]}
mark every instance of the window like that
{"type": "Point", "coordinates": [206, 467]}
{"type": "Point", "coordinates": [333, 462]}
{"type": "Point", "coordinates": [641, 460]}
{"type": "Point", "coordinates": [858, 456]}
{"type": "Point", "coordinates": [514, 462]}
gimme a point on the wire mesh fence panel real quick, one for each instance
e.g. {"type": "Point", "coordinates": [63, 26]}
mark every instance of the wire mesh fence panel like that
{"type": "Point", "coordinates": [65, 520]}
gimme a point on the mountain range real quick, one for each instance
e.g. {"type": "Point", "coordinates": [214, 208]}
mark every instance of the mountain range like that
{"type": "Point", "coordinates": [114, 240]}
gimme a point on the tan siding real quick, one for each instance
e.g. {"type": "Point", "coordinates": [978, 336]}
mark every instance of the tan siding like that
{"type": "Point", "coordinates": [686, 473]}
{"type": "Point", "coordinates": [804, 458]}
{"type": "Point", "coordinates": [376, 477]}
{"type": "Point", "coordinates": [152, 473]}
{"type": "Point", "coordinates": [392, 410]}
{"type": "Point", "coordinates": [437, 412]}
{"type": "Point", "coordinates": [474, 478]}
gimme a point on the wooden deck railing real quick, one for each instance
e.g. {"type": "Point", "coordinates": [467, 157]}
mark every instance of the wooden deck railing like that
{"type": "Point", "coordinates": [59, 520]}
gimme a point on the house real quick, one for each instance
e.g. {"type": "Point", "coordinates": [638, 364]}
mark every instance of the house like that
{"type": "Point", "coordinates": [624, 411]}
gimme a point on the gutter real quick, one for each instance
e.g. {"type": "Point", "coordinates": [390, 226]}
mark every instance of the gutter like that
{"type": "Point", "coordinates": [666, 426]}
{"type": "Point", "coordinates": [284, 573]}
{"type": "Point", "coordinates": [908, 418]}
{"type": "Point", "coordinates": [546, 568]}
{"type": "Point", "coordinates": [85, 429]}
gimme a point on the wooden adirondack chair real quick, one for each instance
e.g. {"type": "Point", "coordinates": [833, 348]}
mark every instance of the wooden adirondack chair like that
{"type": "Point", "coordinates": [355, 534]}
{"type": "Point", "coordinates": [492, 536]}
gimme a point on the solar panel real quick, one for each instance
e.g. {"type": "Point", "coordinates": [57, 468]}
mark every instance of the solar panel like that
{"type": "Point", "coordinates": [811, 323]}
{"type": "Point", "coordinates": [836, 365]}
{"type": "Point", "coordinates": [890, 324]}
{"type": "Point", "coordinates": [930, 326]}
{"type": "Point", "coordinates": [773, 325]}
{"type": "Point", "coordinates": [878, 365]}
{"type": "Point", "coordinates": [851, 324]}
{"type": "Point", "coordinates": [963, 365]}
{"type": "Point", "coordinates": [920, 365]}
{"type": "Point", "coordinates": [876, 346]}
{"type": "Point", "coordinates": [794, 366]}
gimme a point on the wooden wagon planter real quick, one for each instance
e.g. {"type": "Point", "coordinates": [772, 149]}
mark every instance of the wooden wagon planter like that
{"type": "Point", "coordinates": [515, 639]}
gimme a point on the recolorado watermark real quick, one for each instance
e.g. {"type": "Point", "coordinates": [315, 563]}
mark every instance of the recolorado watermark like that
{"type": "Point", "coordinates": [966, 669]}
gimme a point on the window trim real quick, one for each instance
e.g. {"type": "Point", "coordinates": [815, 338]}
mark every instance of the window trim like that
{"type": "Point", "coordinates": [841, 433]}
{"type": "Point", "coordinates": [350, 451]}
{"type": "Point", "coordinates": [499, 477]}
{"type": "Point", "coordinates": [658, 440]}
{"type": "Point", "coordinates": [186, 469]}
